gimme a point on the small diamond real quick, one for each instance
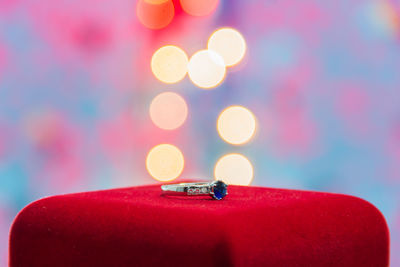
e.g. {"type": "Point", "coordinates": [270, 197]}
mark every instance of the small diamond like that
{"type": "Point", "coordinates": [204, 190]}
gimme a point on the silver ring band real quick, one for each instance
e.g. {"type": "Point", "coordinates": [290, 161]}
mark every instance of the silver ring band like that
{"type": "Point", "coordinates": [217, 189]}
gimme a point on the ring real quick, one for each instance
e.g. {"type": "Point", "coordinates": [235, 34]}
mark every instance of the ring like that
{"type": "Point", "coordinates": [217, 189]}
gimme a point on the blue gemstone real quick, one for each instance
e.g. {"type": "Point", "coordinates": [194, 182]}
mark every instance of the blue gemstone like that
{"type": "Point", "coordinates": [220, 190]}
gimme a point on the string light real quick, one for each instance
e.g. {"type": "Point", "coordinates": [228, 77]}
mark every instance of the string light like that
{"type": "Point", "coordinates": [155, 14]}
{"type": "Point", "coordinates": [168, 110]}
{"type": "Point", "coordinates": [199, 7]}
{"type": "Point", "coordinates": [206, 69]}
{"type": "Point", "coordinates": [165, 162]}
{"type": "Point", "coordinates": [236, 125]}
{"type": "Point", "coordinates": [228, 43]}
{"type": "Point", "coordinates": [234, 169]}
{"type": "Point", "coordinates": [169, 64]}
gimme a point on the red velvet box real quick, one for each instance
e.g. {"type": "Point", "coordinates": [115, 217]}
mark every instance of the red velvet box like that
{"type": "Point", "coordinates": [252, 226]}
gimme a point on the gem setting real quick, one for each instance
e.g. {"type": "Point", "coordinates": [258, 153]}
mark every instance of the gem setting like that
{"type": "Point", "coordinates": [219, 190]}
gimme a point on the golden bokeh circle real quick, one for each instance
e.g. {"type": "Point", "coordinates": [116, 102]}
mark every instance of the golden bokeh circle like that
{"type": "Point", "coordinates": [229, 43]}
{"type": "Point", "coordinates": [169, 64]}
{"type": "Point", "coordinates": [236, 125]}
{"type": "Point", "coordinates": [234, 169]}
{"type": "Point", "coordinates": [206, 69]}
{"type": "Point", "coordinates": [165, 162]}
{"type": "Point", "coordinates": [168, 110]}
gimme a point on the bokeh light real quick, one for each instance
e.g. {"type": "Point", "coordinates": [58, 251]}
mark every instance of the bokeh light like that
{"type": "Point", "coordinates": [234, 169]}
{"type": "Point", "coordinates": [381, 20]}
{"type": "Point", "coordinates": [165, 162]}
{"type": "Point", "coordinates": [155, 14]}
{"type": "Point", "coordinates": [168, 110]}
{"type": "Point", "coordinates": [169, 64]}
{"type": "Point", "coordinates": [228, 43]}
{"type": "Point", "coordinates": [236, 125]}
{"type": "Point", "coordinates": [199, 7]}
{"type": "Point", "coordinates": [206, 69]}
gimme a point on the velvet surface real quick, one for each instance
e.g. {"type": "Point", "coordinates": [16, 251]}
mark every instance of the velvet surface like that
{"type": "Point", "coordinates": [252, 226]}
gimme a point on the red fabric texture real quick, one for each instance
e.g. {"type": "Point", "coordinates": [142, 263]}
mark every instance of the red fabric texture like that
{"type": "Point", "coordinates": [252, 226]}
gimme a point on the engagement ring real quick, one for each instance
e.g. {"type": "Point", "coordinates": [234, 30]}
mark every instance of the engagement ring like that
{"type": "Point", "coordinates": [216, 189]}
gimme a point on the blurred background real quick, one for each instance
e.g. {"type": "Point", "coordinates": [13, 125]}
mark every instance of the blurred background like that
{"type": "Point", "coordinates": [293, 94]}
